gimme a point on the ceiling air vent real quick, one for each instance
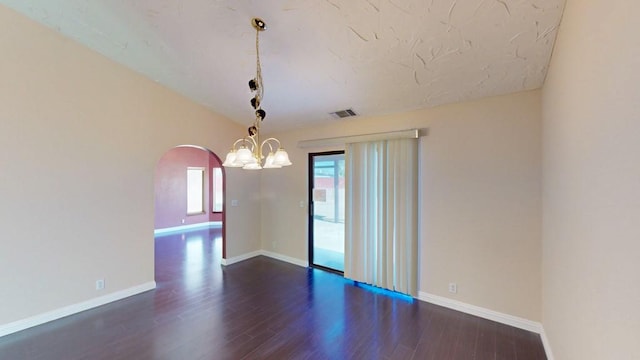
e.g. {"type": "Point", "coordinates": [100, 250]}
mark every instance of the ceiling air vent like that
{"type": "Point", "coordinates": [343, 114]}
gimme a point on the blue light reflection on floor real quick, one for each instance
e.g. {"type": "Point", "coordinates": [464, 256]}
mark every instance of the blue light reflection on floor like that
{"type": "Point", "coordinates": [377, 290]}
{"type": "Point", "coordinates": [371, 288]}
{"type": "Point", "coordinates": [331, 301]}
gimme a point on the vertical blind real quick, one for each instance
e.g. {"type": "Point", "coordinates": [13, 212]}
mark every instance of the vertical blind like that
{"type": "Point", "coordinates": [381, 219]}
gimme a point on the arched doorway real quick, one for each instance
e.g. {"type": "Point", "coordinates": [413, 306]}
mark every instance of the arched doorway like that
{"type": "Point", "coordinates": [189, 191]}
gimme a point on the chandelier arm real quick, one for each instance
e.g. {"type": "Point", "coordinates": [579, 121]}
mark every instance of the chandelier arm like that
{"type": "Point", "coordinates": [268, 141]}
{"type": "Point", "coordinates": [252, 141]}
{"type": "Point", "coordinates": [246, 140]}
{"type": "Point", "coordinates": [236, 143]}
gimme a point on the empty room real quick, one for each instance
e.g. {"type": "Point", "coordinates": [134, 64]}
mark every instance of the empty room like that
{"type": "Point", "coordinates": [337, 179]}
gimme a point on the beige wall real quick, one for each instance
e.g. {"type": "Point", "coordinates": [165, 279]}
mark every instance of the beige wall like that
{"type": "Point", "coordinates": [480, 198]}
{"type": "Point", "coordinates": [80, 137]}
{"type": "Point", "coordinates": [591, 181]}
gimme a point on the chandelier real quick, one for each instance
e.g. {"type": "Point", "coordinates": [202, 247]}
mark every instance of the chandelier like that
{"type": "Point", "coordinates": [248, 152]}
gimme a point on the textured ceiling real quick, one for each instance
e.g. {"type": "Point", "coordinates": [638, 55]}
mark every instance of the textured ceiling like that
{"type": "Point", "coordinates": [375, 56]}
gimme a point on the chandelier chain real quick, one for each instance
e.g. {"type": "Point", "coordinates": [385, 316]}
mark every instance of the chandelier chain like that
{"type": "Point", "coordinates": [260, 92]}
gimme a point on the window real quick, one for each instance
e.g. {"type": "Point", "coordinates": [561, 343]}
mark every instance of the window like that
{"type": "Point", "coordinates": [195, 191]}
{"type": "Point", "coordinates": [216, 175]}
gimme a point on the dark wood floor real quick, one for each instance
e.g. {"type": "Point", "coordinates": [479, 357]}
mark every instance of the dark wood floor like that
{"type": "Point", "coordinates": [263, 309]}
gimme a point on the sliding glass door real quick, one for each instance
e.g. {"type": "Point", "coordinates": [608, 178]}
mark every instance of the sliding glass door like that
{"type": "Point", "coordinates": [326, 210]}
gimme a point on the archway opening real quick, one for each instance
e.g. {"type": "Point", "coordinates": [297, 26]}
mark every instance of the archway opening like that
{"type": "Point", "coordinates": [189, 193]}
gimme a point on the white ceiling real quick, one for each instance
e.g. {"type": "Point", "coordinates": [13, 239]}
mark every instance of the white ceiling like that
{"type": "Point", "coordinates": [375, 56]}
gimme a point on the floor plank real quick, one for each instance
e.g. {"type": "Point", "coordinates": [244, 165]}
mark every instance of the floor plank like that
{"type": "Point", "coordinates": [263, 309]}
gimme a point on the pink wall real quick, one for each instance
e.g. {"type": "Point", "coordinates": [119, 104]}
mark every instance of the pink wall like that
{"type": "Point", "coordinates": [171, 187]}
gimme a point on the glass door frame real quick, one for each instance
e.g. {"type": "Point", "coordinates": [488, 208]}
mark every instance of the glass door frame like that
{"type": "Point", "coordinates": [311, 184]}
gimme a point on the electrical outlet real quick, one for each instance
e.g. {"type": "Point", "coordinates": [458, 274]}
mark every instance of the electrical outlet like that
{"type": "Point", "coordinates": [99, 284]}
{"type": "Point", "coordinates": [274, 245]}
{"type": "Point", "coordinates": [453, 288]}
{"type": "Point", "coordinates": [183, 221]}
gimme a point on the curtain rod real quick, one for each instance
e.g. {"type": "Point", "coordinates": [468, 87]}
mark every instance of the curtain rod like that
{"type": "Point", "coordinates": [341, 140]}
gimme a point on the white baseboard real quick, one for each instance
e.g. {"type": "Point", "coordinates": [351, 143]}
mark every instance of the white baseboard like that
{"type": "Point", "coordinates": [242, 257]}
{"type": "Point", "coordinates": [270, 254]}
{"type": "Point", "coordinates": [40, 319]}
{"type": "Point", "coordinates": [285, 258]}
{"type": "Point", "coordinates": [546, 344]}
{"type": "Point", "coordinates": [187, 227]}
{"type": "Point", "coordinates": [502, 318]}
